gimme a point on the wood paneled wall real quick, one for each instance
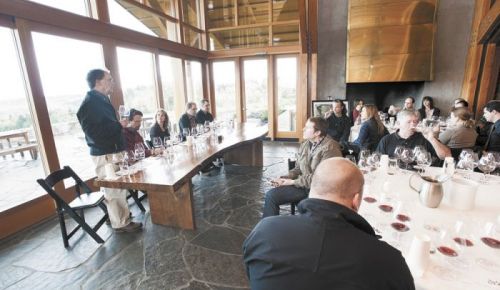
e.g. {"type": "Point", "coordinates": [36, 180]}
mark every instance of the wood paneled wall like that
{"type": "Point", "coordinates": [390, 40]}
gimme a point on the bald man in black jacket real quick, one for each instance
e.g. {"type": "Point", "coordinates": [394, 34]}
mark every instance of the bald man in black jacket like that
{"type": "Point", "coordinates": [328, 246]}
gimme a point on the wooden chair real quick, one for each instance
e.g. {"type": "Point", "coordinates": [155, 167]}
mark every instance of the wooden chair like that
{"type": "Point", "coordinates": [75, 209]}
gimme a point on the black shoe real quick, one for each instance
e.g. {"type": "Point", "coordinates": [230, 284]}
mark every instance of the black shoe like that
{"type": "Point", "coordinates": [131, 227]}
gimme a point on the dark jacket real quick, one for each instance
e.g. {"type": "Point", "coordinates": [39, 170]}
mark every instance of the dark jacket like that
{"type": "Point", "coordinates": [156, 131]}
{"type": "Point", "coordinates": [328, 246]}
{"type": "Point", "coordinates": [184, 123]}
{"type": "Point", "coordinates": [369, 135]}
{"type": "Point", "coordinates": [435, 113]}
{"type": "Point", "coordinates": [103, 131]}
{"type": "Point", "coordinates": [201, 117]}
{"type": "Point", "coordinates": [339, 128]}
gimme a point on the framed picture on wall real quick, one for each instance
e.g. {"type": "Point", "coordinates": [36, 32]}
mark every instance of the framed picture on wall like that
{"type": "Point", "coordinates": [320, 107]}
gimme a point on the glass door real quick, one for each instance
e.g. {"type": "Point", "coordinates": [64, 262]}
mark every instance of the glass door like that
{"type": "Point", "coordinates": [255, 91]}
{"type": "Point", "coordinates": [285, 96]}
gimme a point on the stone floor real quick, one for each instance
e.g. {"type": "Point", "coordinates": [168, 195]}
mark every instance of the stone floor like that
{"type": "Point", "coordinates": [228, 203]}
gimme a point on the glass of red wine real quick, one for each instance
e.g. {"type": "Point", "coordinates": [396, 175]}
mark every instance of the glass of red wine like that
{"type": "Point", "coordinates": [491, 235]}
{"type": "Point", "coordinates": [401, 222]}
{"type": "Point", "coordinates": [453, 245]}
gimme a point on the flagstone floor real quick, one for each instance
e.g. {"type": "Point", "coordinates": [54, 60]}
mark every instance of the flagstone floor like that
{"type": "Point", "coordinates": [228, 204]}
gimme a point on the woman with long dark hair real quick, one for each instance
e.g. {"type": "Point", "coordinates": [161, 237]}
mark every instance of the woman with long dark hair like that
{"type": "Point", "coordinates": [371, 131]}
{"type": "Point", "coordinates": [160, 128]}
{"type": "Point", "coordinates": [427, 111]}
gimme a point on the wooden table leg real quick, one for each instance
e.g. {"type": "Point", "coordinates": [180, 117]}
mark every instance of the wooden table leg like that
{"type": "Point", "coordinates": [247, 154]}
{"type": "Point", "coordinates": [174, 207]}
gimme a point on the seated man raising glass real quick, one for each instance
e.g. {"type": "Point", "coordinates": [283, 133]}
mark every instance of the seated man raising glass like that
{"type": "Point", "coordinates": [407, 136]}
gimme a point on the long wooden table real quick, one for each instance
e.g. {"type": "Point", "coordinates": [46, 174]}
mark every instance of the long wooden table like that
{"type": "Point", "coordinates": [168, 182]}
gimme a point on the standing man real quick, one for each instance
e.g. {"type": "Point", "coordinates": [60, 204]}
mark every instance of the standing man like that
{"type": "Point", "coordinates": [204, 114]}
{"type": "Point", "coordinates": [329, 245]}
{"type": "Point", "coordinates": [492, 114]}
{"type": "Point", "coordinates": [339, 125]}
{"type": "Point", "coordinates": [294, 187]}
{"type": "Point", "coordinates": [103, 133]}
{"type": "Point", "coordinates": [188, 119]}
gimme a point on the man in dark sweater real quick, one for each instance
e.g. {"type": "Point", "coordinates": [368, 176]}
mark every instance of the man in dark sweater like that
{"type": "Point", "coordinates": [328, 246]}
{"type": "Point", "coordinates": [407, 136]}
{"type": "Point", "coordinates": [204, 114]}
{"type": "Point", "coordinates": [188, 120]}
{"type": "Point", "coordinates": [103, 133]}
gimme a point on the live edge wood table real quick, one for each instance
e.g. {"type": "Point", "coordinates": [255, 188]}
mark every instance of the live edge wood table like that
{"type": "Point", "coordinates": [168, 181]}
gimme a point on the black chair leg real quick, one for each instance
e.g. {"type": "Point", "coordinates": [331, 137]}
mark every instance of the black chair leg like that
{"type": "Point", "coordinates": [292, 208]}
{"type": "Point", "coordinates": [135, 197]}
{"type": "Point", "coordinates": [86, 227]}
{"type": "Point", "coordinates": [62, 223]}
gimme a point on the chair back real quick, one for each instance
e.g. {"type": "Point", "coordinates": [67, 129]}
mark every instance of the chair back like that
{"type": "Point", "coordinates": [59, 175]}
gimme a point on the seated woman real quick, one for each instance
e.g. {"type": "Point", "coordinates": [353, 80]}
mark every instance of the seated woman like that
{"type": "Point", "coordinates": [160, 128]}
{"type": "Point", "coordinates": [427, 111]}
{"type": "Point", "coordinates": [371, 131]}
{"type": "Point", "coordinates": [461, 133]}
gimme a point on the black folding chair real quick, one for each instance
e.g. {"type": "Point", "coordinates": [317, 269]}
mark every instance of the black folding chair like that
{"type": "Point", "coordinates": [75, 209]}
{"type": "Point", "coordinates": [134, 194]}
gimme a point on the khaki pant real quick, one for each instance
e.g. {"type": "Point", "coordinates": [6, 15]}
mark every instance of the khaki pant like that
{"type": "Point", "coordinates": [116, 199]}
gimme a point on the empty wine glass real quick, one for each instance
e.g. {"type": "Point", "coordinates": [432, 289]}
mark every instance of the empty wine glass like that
{"type": "Point", "coordinates": [486, 164]}
{"type": "Point", "coordinates": [185, 132]}
{"type": "Point", "coordinates": [407, 156]}
{"type": "Point", "coordinates": [468, 161]}
{"type": "Point", "coordinates": [123, 112]}
{"type": "Point", "coordinates": [157, 142]}
{"type": "Point", "coordinates": [423, 159]}
{"type": "Point", "coordinates": [351, 158]}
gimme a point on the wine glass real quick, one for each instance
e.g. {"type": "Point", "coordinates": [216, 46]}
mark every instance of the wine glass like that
{"type": "Point", "coordinates": [123, 112]}
{"type": "Point", "coordinates": [401, 221]}
{"type": "Point", "coordinates": [423, 159]}
{"type": "Point", "coordinates": [407, 156]}
{"type": "Point", "coordinates": [139, 153]}
{"type": "Point", "coordinates": [486, 164]}
{"type": "Point", "coordinates": [157, 142]}
{"type": "Point", "coordinates": [185, 132]}
{"type": "Point", "coordinates": [374, 160]}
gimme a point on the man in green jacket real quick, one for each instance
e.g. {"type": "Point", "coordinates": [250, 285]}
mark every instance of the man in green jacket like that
{"type": "Point", "coordinates": [294, 187]}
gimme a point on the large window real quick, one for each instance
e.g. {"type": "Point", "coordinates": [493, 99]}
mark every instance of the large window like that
{"type": "Point", "coordinates": [286, 93]}
{"type": "Point", "coordinates": [64, 87]}
{"type": "Point", "coordinates": [225, 89]}
{"type": "Point", "coordinates": [138, 83]}
{"type": "Point", "coordinates": [194, 82]}
{"type": "Point", "coordinates": [255, 90]}
{"type": "Point", "coordinates": [19, 169]}
{"type": "Point", "coordinates": [173, 88]}
{"type": "Point", "coordinates": [73, 6]}
{"type": "Point", "coordinates": [131, 16]}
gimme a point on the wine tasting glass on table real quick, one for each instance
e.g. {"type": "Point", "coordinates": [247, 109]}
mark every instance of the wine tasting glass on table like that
{"type": "Point", "coordinates": [486, 164]}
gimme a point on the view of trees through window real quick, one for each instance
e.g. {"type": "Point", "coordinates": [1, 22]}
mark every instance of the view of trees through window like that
{"type": "Point", "coordinates": [286, 92]}
{"type": "Point", "coordinates": [194, 81]}
{"type": "Point", "coordinates": [17, 168]}
{"type": "Point", "coordinates": [225, 89]}
{"type": "Point", "coordinates": [172, 84]}
{"type": "Point", "coordinates": [255, 76]}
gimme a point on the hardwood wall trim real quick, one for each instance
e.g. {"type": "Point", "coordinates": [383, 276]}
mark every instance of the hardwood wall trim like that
{"type": "Point", "coordinates": [490, 23]}
{"type": "Point", "coordinates": [7, 21]}
{"type": "Point", "coordinates": [474, 53]}
{"type": "Point", "coordinates": [303, 31]}
{"type": "Point", "coordinates": [486, 79]}
{"type": "Point", "coordinates": [55, 17]}
{"type": "Point", "coordinates": [257, 51]}
{"type": "Point", "coordinates": [312, 25]}
{"type": "Point", "coordinates": [239, 102]}
{"type": "Point", "coordinates": [271, 80]}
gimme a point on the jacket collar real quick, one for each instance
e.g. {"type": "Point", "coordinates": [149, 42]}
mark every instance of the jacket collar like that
{"type": "Point", "coordinates": [330, 211]}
